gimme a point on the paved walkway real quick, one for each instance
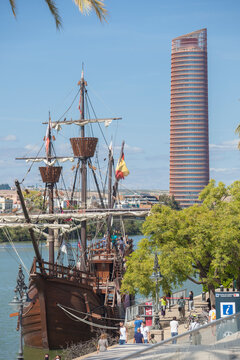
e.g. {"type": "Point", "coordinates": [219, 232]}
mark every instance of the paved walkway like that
{"type": "Point", "coordinates": [115, 352]}
{"type": "Point", "coordinates": [226, 349]}
{"type": "Point", "coordinates": [118, 352]}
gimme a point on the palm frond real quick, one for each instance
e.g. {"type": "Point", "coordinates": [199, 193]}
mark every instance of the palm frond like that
{"type": "Point", "coordinates": [85, 6]}
{"type": "Point", "coordinates": [237, 130]}
{"type": "Point", "coordinates": [13, 6]}
{"type": "Point", "coordinates": [54, 10]}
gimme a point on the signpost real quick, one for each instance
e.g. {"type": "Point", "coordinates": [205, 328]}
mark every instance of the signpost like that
{"type": "Point", "coordinates": [227, 303]}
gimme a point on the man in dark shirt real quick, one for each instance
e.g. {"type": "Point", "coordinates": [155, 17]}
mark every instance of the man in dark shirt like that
{"type": "Point", "coordinates": [138, 337]}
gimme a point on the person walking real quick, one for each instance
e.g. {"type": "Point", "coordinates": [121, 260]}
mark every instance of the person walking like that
{"type": "Point", "coordinates": [174, 328]}
{"type": "Point", "coordinates": [123, 334]}
{"type": "Point", "coordinates": [137, 323]}
{"type": "Point", "coordinates": [196, 336]}
{"type": "Point", "coordinates": [102, 343]}
{"type": "Point", "coordinates": [145, 331]}
{"type": "Point", "coordinates": [212, 314]}
{"type": "Point", "coordinates": [190, 301]}
{"type": "Point", "coordinates": [163, 306]}
{"type": "Point", "coordinates": [181, 307]}
{"type": "Point", "coordinates": [138, 337]}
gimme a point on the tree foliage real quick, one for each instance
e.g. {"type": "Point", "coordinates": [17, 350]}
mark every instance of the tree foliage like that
{"type": "Point", "coordinates": [200, 243]}
{"type": "Point", "coordinates": [84, 6]}
{"type": "Point", "coordinates": [169, 201]}
{"type": "Point", "coordinates": [34, 200]}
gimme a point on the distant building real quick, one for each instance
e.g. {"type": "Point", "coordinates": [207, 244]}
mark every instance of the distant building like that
{"type": "Point", "coordinates": [139, 201]}
{"type": "Point", "coordinates": [189, 146]}
{"type": "Point", "coordinates": [6, 205]}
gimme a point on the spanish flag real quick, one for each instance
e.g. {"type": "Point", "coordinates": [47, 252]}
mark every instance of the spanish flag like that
{"type": "Point", "coordinates": [121, 169]}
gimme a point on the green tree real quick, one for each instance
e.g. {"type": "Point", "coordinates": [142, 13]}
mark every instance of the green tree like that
{"type": "Point", "coordinates": [169, 201]}
{"type": "Point", "coordinates": [34, 200]}
{"type": "Point", "coordinates": [85, 7]}
{"type": "Point", "coordinates": [200, 243]}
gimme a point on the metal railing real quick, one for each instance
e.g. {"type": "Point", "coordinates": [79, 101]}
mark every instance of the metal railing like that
{"type": "Point", "coordinates": [220, 337]}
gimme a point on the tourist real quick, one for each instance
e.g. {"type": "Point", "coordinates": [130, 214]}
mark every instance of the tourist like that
{"type": "Point", "coordinates": [212, 314]}
{"type": "Point", "coordinates": [104, 240]}
{"type": "Point", "coordinates": [102, 343]}
{"type": "Point", "coordinates": [152, 340]}
{"type": "Point", "coordinates": [138, 337]}
{"type": "Point", "coordinates": [114, 241]}
{"type": "Point", "coordinates": [58, 357]}
{"type": "Point", "coordinates": [181, 307]}
{"type": "Point", "coordinates": [121, 246]}
{"type": "Point", "coordinates": [123, 334]}
{"type": "Point", "coordinates": [209, 303]}
{"type": "Point", "coordinates": [46, 357]}
{"type": "Point", "coordinates": [137, 323]}
{"type": "Point", "coordinates": [196, 336]}
{"type": "Point", "coordinates": [145, 331]}
{"type": "Point", "coordinates": [190, 301]}
{"type": "Point", "coordinates": [163, 306]}
{"type": "Point", "coordinates": [174, 328]}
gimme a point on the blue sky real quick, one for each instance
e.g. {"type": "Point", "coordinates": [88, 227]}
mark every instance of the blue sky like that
{"type": "Point", "coordinates": [127, 67]}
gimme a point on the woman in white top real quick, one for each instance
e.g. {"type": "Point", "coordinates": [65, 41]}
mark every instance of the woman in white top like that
{"type": "Point", "coordinates": [123, 334]}
{"type": "Point", "coordinates": [174, 328]}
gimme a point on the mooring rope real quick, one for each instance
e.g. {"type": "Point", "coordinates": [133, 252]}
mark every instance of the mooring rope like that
{"type": "Point", "coordinates": [89, 314]}
{"type": "Point", "coordinates": [87, 322]}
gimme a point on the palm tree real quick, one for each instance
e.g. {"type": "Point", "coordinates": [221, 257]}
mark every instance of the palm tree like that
{"type": "Point", "coordinates": [85, 6]}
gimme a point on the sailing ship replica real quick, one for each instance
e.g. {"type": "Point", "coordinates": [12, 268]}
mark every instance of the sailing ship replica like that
{"type": "Point", "coordinates": [68, 304]}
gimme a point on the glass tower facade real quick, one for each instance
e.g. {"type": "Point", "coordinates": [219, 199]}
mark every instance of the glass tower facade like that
{"type": "Point", "coordinates": [189, 146]}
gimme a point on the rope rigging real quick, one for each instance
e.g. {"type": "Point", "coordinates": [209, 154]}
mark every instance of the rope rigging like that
{"type": "Point", "coordinates": [85, 321]}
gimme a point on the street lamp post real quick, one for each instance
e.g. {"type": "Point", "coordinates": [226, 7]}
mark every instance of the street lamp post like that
{"type": "Point", "coordinates": [158, 278]}
{"type": "Point", "coordinates": [17, 303]}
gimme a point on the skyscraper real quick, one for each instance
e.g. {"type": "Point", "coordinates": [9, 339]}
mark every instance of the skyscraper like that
{"type": "Point", "coordinates": [189, 148]}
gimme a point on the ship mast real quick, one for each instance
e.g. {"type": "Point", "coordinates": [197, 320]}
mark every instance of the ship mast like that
{"type": "Point", "coordinates": [50, 191]}
{"type": "Point", "coordinates": [83, 178]}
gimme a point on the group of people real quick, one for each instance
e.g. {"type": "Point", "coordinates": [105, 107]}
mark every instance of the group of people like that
{"type": "Point", "coordinates": [196, 337]}
{"type": "Point", "coordinates": [141, 335]}
{"type": "Point", "coordinates": [119, 242]}
{"type": "Point", "coordinates": [57, 357]}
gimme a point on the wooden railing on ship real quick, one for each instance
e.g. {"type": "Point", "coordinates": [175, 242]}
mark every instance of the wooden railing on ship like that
{"type": "Point", "coordinates": [66, 273]}
{"type": "Point", "coordinates": [100, 248]}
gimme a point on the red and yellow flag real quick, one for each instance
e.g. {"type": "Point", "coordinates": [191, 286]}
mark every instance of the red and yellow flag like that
{"type": "Point", "coordinates": [121, 169]}
{"type": "Point", "coordinates": [47, 136]}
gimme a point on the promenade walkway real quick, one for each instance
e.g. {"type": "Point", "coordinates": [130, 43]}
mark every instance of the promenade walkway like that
{"type": "Point", "coordinates": [118, 352]}
{"type": "Point", "coordinates": [210, 348]}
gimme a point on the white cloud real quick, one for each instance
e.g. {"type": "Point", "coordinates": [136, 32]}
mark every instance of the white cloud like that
{"type": "Point", "coordinates": [226, 170]}
{"type": "Point", "coordinates": [225, 145]}
{"type": "Point", "coordinates": [9, 137]}
{"type": "Point", "coordinates": [31, 147]}
{"type": "Point", "coordinates": [129, 149]}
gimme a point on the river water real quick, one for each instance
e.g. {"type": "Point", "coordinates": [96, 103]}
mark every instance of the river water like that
{"type": "Point", "coordinates": [9, 263]}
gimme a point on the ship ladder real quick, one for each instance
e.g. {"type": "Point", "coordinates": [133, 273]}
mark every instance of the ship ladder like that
{"type": "Point", "coordinates": [110, 294]}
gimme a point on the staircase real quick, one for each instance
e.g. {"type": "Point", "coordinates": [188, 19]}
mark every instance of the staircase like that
{"type": "Point", "coordinates": [118, 268]}
{"type": "Point", "coordinates": [110, 294]}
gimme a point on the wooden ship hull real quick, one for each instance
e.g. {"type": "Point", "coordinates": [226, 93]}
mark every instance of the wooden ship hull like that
{"type": "Point", "coordinates": [47, 325]}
